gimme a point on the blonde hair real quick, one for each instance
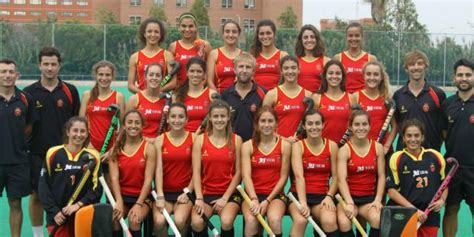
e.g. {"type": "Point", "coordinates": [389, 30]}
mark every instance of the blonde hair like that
{"type": "Point", "coordinates": [385, 83]}
{"type": "Point", "coordinates": [413, 56]}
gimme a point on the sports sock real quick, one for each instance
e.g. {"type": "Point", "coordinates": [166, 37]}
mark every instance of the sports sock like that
{"type": "Point", "coordinates": [38, 231]}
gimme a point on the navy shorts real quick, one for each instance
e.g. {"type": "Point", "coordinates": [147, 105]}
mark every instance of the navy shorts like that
{"type": "Point", "coordinates": [461, 187]}
{"type": "Point", "coordinates": [16, 179]}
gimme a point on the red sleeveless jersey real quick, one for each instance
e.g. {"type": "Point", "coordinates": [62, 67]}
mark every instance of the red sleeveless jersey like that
{"type": "Point", "coordinates": [289, 111]}
{"type": "Point", "coordinates": [267, 72]}
{"type": "Point", "coordinates": [152, 111]}
{"type": "Point", "coordinates": [182, 56]}
{"type": "Point", "coordinates": [224, 71]}
{"type": "Point", "coordinates": [316, 168]}
{"type": "Point", "coordinates": [377, 112]}
{"type": "Point", "coordinates": [336, 115]}
{"type": "Point", "coordinates": [218, 167]}
{"type": "Point", "coordinates": [310, 73]}
{"type": "Point", "coordinates": [142, 63]}
{"type": "Point", "coordinates": [197, 108]}
{"type": "Point", "coordinates": [99, 120]}
{"type": "Point", "coordinates": [362, 171]}
{"type": "Point", "coordinates": [177, 163]}
{"type": "Point", "coordinates": [355, 78]}
{"type": "Point", "coordinates": [132, 170]}
{"type": "Point", "coordinates": [266, 168]}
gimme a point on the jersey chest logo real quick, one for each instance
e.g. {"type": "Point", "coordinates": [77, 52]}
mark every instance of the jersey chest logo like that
{"type": "Point", "coordinates": [426, 108]}
{"type": "Point", "coordinates": [60, 103]}
{"type": "Point", "coordinates": [471, 119]}
{"type": "Point", "coordinates": [17, 112]}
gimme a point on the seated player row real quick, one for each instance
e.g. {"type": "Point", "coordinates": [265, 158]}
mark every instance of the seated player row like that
{"type": "Point", "coordinates": [309, 49]}
{"type": "Point", "coordinates": [214, 163]}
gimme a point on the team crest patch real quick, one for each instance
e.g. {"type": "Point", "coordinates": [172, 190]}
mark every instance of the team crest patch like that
{"type": "Point", "coordinates": [426, 108]}
{"type": "Point", "coordinates": [432, 168]}
{"type": "Point", "coordinates": [17, 112]}
{"type": "Point", "coordinates": [253, 108]}
{"type": "Point", "coordinates": [60, 103]}
{"type": "Point", "coordinates": [318, 67]}
{"type": "Point", "coordinates": [188, 150]}
{"type": "Point", "coordinates": [471, 119]}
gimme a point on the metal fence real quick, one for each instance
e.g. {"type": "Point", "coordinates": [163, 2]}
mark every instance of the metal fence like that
{"type": "Point", "coordinates": [83, 45]}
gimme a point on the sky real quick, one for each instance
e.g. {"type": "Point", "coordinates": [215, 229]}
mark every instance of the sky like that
{"type": "Point", "coordinates": [448, 16]}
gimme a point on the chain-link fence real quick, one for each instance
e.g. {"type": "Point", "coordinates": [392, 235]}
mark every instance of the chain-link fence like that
{"type": "Point", "coordinates": [83, 45]}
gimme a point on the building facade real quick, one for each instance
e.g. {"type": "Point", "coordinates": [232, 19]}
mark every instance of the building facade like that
{"type": "Point", "coordinates": [246, 12]}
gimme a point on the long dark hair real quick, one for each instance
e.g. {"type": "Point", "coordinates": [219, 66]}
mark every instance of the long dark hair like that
{"type": "Point", "coordinates": [311, 112]}
{"type": "Point", "coordinates": [324, 83]}
{"type": "Point", "coordinates": [256, 48]}
{"type": "Point", "coordinates": [68, 126]}
{"type": "Point", "coordinates": [182, 91]}
{"type": "Point", "coordinates": [122, 136]}
{"type": "Point", "coordinates": [320, 48]}
{"type": "Point", "coordinates": [95, 90]}
{"type": "Point", "coordinates": [256, 132]}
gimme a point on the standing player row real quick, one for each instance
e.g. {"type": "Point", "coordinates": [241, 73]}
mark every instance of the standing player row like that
{"type": "Point", "coordinates": [309, 49]}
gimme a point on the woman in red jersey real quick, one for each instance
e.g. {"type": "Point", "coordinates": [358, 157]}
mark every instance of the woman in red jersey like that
{"type": "Point", "coordinates": [333, 101]}
{"type": "Point", "coordinates": [354, 57]}
{"type": "Point", "coordinates": [151, 34]}
{"type": "Point", "coordinates": [310, 51]}
{"type": "Point", "coordinates": [194, 94]}
{"type": "Point", "coordinates": [149, 103]}
{"type": "Point", "coordinates": [174, 172]}
{"type": "Point", "coordinates": [220, 64]}
{"type": "Point", "coordinates": [132, 166]}
{"type": "Point", "coordinates": [360, 176]}
{"type": "Point", "coordinates": [374, 99]}
{"type": "Point", "coordinates": [287, 99]}
{"type": "Point", "coordinates": [313, 161]}
{"type": "Point", "coordinates": [190, 45]}
{"type": "Point", "coordinates": [95, 102]}
{"type": "Point", "coordinates": [216, 171]}
{"type": "Point", "coordinates": [267, 72]}
{"type": "Point", "coordinates": [265, 167]}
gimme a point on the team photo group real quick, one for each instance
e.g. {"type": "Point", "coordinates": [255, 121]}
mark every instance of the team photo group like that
{"type": "Point", "coordinates": [220, 131]}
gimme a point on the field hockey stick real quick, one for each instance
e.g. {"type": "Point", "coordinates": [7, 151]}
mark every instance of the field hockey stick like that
{"type": "Point", "coordinates": [88, 170]}
{"type": "Point", "coordinates": [353, 219]}
{"type": "Point", "coordinates": [211, 226]}
{"type": "Point", "coordinates": [348, 133]}
{"type": "Point", "coordinates": [309, 218]}
{"type": "Point", "coordinates": [387, 121]}
{"type": "Point", "coordinates": [175, 68]}
{"type": "Point", "coordinates": [113, 125]}
{"type": "Point", "coordinates": [164, 114]}
{"type": "Point", "coordinates": [309, 105]}
{"type": "Point", "coordinates": [444, 185]}
{"type": "Point", "coordinates": [111, 199]}
{"type": "Point", "coordinates": [167, 216]}
{"type": "Point", "coordinates": [204, 122]}
{"type": "Point", "coordinates": [259, 216]}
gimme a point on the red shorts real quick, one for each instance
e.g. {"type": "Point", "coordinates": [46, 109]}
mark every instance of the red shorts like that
{"type": "Point", "coordinates": [66, 230]}
{"type": "Point", "coordinates": [427, 231]}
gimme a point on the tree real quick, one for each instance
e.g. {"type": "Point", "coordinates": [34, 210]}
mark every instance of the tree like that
{"type": "Point", "coordinates": [158, 13]}
{"type": "Point", "coordinates": [288, 18]}
{"type": "Point", "coordinates": [200, 11]}
{"type": "Point", "coordinates": [106, 16]}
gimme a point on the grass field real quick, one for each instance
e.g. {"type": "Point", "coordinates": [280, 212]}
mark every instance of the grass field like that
{"type": "Point", "coordinates": [464, 230]}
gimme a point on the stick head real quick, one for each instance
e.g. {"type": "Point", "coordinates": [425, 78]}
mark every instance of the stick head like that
{"type": "Point", "coordinates": [113, 108]}
{"type": "Point", "coordinates": [216, 96]}
{"type": "Point", "coordinates": [175, 67]}
{"type": "Point", "coordinates": [356, 107]}
{"type": "Point", "coordinates": [308, 102]}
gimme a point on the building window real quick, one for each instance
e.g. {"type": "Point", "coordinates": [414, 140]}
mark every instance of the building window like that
{"type": "Point", "coordinates": [181, 3]}
{"type": "Point", "coordinates": [66, 2]}
{"type": "Point", "coordinates": [19, 13]}
{"type": "Point", "coordinates": [35, 2]}
{"type": "Point", "coordinates": [159, 3]}
{"type": "Point", "coordinates": [249, 25]}
{"type": "Point", "coordinates": [135, 2]}
{"type": "Point", "coordinates": [5, 1]}
{"type": "Point", "coordinates": [224, 20]}
{"type": "Point", "coordinates": [82, 2]}
{"type": "Point", "coordinates": [66, 14]}
{"type": "Point", "coordinates": [135, 20]}
{"type": "Point", "coordinates": [51, 14]}
{"type": "Point", "coordinates": [35, 13]}
{"type": "Point", "coordinates": [82, 14]}
{"type": "Point", "coordinates": [249, 4]}
{"type": "Point", "coordinates": [51, 2]}
{"type": "Point", "coordinates": [207, 3]}
{"type": "Point", "coordinates": [226, 3]}
{"type": "Point", "coordinates": [4, 13]}
{"type": "Point", "coordinates": [19, 2]}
